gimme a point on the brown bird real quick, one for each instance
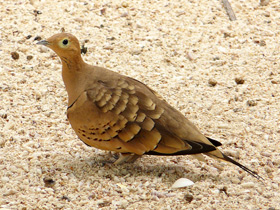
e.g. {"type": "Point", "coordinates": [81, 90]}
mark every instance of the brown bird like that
{"type": "Point", "coordinates": [114, 112]}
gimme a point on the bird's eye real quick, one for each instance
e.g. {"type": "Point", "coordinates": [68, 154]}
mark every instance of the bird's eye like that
{"type": "Point", "coordinates": [65, 42]}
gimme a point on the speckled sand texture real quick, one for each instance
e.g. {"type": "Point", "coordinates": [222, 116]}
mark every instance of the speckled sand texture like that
{"type": "Point", "coordinates": [223, 75]}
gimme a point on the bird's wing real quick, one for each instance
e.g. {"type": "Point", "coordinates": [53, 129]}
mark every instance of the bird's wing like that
{"type": "Point", "coordinates": [143, 122]}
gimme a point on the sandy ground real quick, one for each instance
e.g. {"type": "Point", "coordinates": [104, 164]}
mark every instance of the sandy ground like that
{"type": "Point", "coordinates": [176, 47]}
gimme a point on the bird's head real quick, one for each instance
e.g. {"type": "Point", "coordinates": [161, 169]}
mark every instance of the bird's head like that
{"type": "Point", "coordinates": [65, 45]}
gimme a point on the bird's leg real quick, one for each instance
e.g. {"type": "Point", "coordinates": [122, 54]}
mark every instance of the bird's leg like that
{"type": "Point", "coordinates": [126, 157]}
{"type": "Point", "coordinates": [133, 158]}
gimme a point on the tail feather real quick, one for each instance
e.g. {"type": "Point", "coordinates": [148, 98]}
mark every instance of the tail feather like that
{"type": "Point", "coordinates": [253, 173]}
{"type": "Point", "coordinates": [220, 156]}
{"type": "Point", "coordinates": [214, 142]}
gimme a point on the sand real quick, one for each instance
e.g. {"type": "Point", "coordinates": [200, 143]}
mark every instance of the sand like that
{"type": "Point", "coordinates": [223, 75]}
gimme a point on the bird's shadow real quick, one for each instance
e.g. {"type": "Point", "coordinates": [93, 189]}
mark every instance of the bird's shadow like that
{"type": "Point", "coordinates": [86, 168]}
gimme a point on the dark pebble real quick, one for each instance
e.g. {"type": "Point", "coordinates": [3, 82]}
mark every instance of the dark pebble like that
{"type": "Point", "coordinates": [15, 55]}
{"type": "Point", "coordinates": [49, 182]}
{"type": "Point", "coordinates": [212, 82]}
{"type": "Point", "coordinates": [239, 80]}
{"type": "Point", "coordinates": [37, 38]}
{"type": "Point", "coordinates": [29, 57]}
{"type": "Point", "coordinates": [188, 198]}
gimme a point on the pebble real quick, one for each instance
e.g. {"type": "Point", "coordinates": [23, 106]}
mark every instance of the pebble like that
{"type": "Point", "coordinates": [233, 153]}
{"type": "Point", "coordinates": [2, 142]}
{"type": "Point", "coordinates": [239, 80]}
{"type": "Point", "coordinates": [264, 2]}
{"type": "Point", "coordinates": [216, 191]}
{"type": "Point", "coordinates": [267, 169]}
{"type": "Point", "coordinates": [182, 182]}
{"type": "Point", "coordinates": [266, 154]}
{"type": "Point", "coordinates": [188, 198]}
{"type": "Point", "coordinates": [103, 203]}
{"type": "Point", "coordinates": [37, 38]}
{"type": "Point", "coordinates": [251, 103]}
{"type": "Point", "coordinates": [266, 13]}
{"type": "Point", "coordinates": [15, 55]}
{"type": "Point", "coordinates": [135, 52]}
{"type": "Point", "coordinates": [122, 204]}
{"type": "Point", "coordinates": [125, 4]}
{"type": "Point", "coordinates": [49, 182]}
{"type": "Point", "coordinates": [80, 20]}
{"type": "Point", "coordinates": [108, 47]}
{"type": "Point", "coordinates": [43, 49]}
{"type": "Point", "coordinates": [10, 192]}
{"type": "Point", "coordinates": [222, 49]}
{"type": "Point", "coordinates": [248, 185]}
{"type": "Point", "coordinates": [275, 82]}
{"type": "Point", "coordinates": [29, 57]}
{"type": "Point", "coordinates": [3, 115]}
{"type": "Point", "coordinates": [223, 126]}
{"type": "Point", "coordinates": [235, 180]}
{"type": "Point", "coordinates": [125, 14]}
{"type": "Point", "coordinates": [212, 82]}
{"type": "Point", "coordinates": [64, 197]}
{"type": "Point", "coordinates": [103, 11]}
{"type": "Point", "coordinates": [190, 56]}
{"type": "Point", "coordinates": [260, 42]}
{"type": "Point", "coordinates": [5, 179]}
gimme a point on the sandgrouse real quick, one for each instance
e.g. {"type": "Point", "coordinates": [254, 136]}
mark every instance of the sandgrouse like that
{"type": "Point", "coordinates": [114, 112]}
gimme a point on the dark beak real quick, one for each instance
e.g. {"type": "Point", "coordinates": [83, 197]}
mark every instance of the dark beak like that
{"type": "Point", "coordinates": [43, 42]}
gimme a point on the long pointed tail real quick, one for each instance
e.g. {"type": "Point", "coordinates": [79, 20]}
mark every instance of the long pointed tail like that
{"type": "Point", "coordinates": [254, 174]}
{"type": "Point", "coordinates": [221, 156]}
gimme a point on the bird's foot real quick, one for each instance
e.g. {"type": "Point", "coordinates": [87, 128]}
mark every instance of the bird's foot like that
{"type": "Point", "coordinates": [126, 158]}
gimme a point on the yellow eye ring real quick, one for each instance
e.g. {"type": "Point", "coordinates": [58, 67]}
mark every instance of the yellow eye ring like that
{"type": "Point", "coordinates": [64, 43]}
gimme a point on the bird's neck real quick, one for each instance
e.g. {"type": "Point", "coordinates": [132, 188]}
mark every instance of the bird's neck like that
{"type": "Point", "coordinates": [73, 74]}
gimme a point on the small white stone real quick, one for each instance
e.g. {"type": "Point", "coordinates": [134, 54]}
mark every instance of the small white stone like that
{"type": "Point", "coordinates": [216, 191]}
{"type": "Point", "coordinates": [43, 49]}
{"type": "Point", "coordinates": [14, 169]}
{"type": "Point", "coordinates": [248, 185]}
{"type": "Point", "coordinates": [191, 56]}
{"type": "Point", "coordinates": [266, 154]}
{"type": "Point", "coordinates": [10, 192]}
{"type": "Point", "coordinates": [108, 47]}
{"type": "Point", "coordinates": [223, 126]}
{"type": "Point", "coordinates": [233, 153]}
{"type": "Point", "coordinates": [235, 180]}
{"type": "Point", "coordinates": [38, 189]}
{"type": "Point", "coordinates": [122, 203]}
{"type": "Point", "coordinates": [266, 137]}
{"type": "Point", "coordinates": [222, 49]}
{"type": "Point", "coordinates": [182, 182]}
{"type": "Point", "coordinates": [5, 179]}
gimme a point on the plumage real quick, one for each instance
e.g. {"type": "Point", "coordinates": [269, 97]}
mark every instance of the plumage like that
{"type": "Point", "coordinates": [113, 112]}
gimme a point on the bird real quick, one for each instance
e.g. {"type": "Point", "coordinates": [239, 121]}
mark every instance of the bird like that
{"type": "Point", "coordinates": [117, 113]}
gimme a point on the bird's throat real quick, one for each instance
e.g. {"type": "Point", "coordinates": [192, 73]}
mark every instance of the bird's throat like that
{"type": "Point", "coordinates": [72, 77]}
